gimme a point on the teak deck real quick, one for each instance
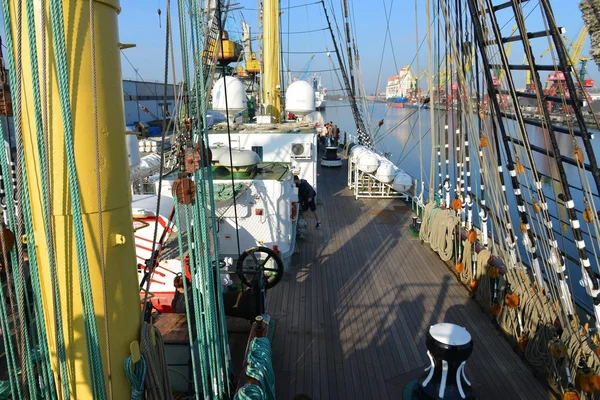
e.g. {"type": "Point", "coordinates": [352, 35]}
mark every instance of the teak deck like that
{"type": "Point", "coordinates": [353, 311]}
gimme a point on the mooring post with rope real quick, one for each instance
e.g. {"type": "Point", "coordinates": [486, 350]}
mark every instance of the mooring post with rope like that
{"type": "Point", "coordinates": [91, 203]}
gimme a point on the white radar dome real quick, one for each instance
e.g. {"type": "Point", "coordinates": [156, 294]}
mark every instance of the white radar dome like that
{"type": "Point", "coordinates": [300, 98]}
{"type": "Point", "coordinates": [236, 95]}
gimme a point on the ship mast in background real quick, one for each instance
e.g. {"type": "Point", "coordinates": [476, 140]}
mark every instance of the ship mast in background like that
{"type": "Point", "coordinates": [271, 85]}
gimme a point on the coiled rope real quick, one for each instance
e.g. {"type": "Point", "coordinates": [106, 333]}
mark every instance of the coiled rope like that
{"type": "Point", "coordinates": [428, 212]}
{"type": "Point", "coordinates": [152, 349]}
{"type": "Point", "coordinates": [443, 223]}
{"type": "Point", "coordinates": [135, 378]}
{"type": "Point", "coordinates": [467, 274]}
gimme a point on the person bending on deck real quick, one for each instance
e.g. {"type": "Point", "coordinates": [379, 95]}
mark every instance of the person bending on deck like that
{"type": "Point", "coordinates": [306, 196]}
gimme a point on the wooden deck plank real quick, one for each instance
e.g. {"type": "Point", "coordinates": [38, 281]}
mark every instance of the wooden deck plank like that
{"type": "Point", "coordinates": [354, 310]}
{"type": "Point", "coordinates": [464, 317]}
{"type": "Point", "coordinates": [430, 291]}
{"type": "Point", "coordinates": [337, 265]}
{"type": "Point", "coordinates": [340, 263]}
{"type": "Point", "coordinates": [470, 315]}
{"type": "Point", "coordinates": [370, 309]}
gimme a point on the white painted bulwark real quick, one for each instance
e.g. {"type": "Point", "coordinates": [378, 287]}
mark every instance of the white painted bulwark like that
{"type": "Point", "coordinates": [300, 98]}
{"type": "Point", "coordinates": [450, 334]}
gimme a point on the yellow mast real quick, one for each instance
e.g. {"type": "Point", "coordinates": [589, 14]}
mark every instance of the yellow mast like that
{"type": "Point", "coordinates": [270, 74]}
{"type": "Point", "coordinates": [121, 292]}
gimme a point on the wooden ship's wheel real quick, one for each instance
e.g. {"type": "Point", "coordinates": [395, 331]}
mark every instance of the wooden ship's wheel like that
{"type": "Point", "coordinates": [251, 266]}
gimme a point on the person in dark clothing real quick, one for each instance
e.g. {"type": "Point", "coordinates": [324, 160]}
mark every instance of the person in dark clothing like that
{"type": "Point", "coordinates": [178, 302]}
{"type": "Point", "coordinates": [306, 196]}
{"type": "Point", "coordinates": [336, 135]}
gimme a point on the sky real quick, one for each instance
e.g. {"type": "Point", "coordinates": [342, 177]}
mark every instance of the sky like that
{"type": "Point", "coordinates": [380, 57]}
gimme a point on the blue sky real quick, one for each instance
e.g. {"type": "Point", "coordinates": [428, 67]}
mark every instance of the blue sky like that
{"type": "Point", "coordinates": [139, 24]}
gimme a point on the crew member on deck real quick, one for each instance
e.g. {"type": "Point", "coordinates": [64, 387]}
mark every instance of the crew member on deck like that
{"type": "Point", "coordinates": [306, 195]}
{"type": "Point", "coordinates": [178, 302]}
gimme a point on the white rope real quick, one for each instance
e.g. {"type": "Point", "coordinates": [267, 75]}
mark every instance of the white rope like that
{"type": "Point", "coordinates": [425, 230]}
{"type": "Point", "coordinates": [443, 224]}
{"type": "Point", "coordinates": [157, 376]}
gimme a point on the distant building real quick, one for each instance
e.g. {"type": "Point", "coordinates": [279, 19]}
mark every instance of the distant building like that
{"type": "Point", "coordinates": [399, 85]}
{"type": "Point", "coordinates": [138, 94]}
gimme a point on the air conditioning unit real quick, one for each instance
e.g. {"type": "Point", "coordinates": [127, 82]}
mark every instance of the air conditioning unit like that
{"type": "Point", "coordinates": [302, 150]}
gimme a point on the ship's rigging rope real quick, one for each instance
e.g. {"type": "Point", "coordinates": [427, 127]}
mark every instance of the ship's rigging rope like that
{"type": "Point", "coordinates": [207, 333]}
{"type": "Point", "coordinates": [437, 229]}
{"type": "Point", "coordinates": [23, 220]}
{"type": "Point", "coordinates": [546, 302]}
{"type": "Point", "coordinates": [152, 349]}
{"type": "Point", "coordinates": [9, 210]}
{"type": "Point", "coordinates": [95, 361]}
{"type": "Point", "coordinates": [24, 342]}
{"type": "Point", "coordinates": [154, 254]}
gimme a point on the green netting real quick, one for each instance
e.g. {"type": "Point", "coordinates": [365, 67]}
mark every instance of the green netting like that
{"type": "Point", "coordinates": [226, 191]}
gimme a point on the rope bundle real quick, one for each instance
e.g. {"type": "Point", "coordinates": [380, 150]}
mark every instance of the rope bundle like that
{"type": "Point", "coordinates": [158, 386]}
{"type": "Point", "coordinates": [425, 231]}
{"type": "Point", "coordinates": [443, 223]}
{"type": "Point", "coordinates": [467, 274]}
{"type": "Point", "coordinates": [136, 378]}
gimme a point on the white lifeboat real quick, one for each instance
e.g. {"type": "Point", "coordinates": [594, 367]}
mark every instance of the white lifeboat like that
{"type": "Point", "coordinates": [355, 150]}
{"type": "Point", "coordinates": [365, 159]}
{"type": "Point", "coordinates": [402, 182]}
{"type": "Point", "coordinates": [386, 172]}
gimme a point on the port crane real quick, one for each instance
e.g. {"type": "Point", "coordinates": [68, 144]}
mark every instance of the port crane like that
{"type": "Point", "coordinates": [555, 83]}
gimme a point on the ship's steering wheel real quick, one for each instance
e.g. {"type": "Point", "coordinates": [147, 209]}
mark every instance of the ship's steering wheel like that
{"type": "Point", "coordinates": [256, 265]}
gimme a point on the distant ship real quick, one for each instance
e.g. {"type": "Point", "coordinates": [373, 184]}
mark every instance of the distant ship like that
{"type": "Point", "coordinates": [397, 87]}
{"type": "Point", "coordinates": [320, 92]}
